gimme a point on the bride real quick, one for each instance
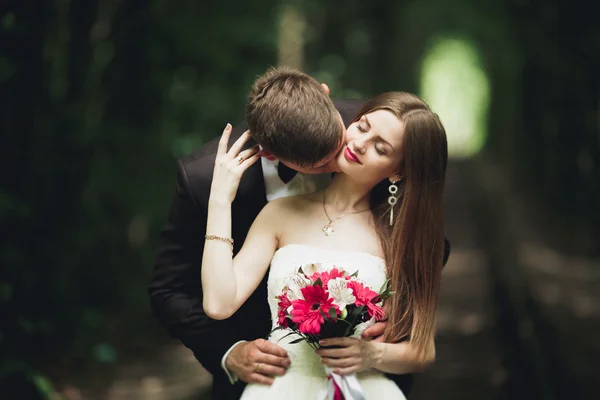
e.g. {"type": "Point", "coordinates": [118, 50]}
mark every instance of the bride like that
{"type": "Point", "coordinates": [396, 152]}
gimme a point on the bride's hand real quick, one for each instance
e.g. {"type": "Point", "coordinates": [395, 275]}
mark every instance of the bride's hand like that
{"type": "Point", "coordinates": [353, 355]}
{"type": "Point", "coordinates": [230, 166]}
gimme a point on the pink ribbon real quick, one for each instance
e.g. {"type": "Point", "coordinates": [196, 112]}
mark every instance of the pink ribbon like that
{"type": "Point", "coordinates": [337, 391]}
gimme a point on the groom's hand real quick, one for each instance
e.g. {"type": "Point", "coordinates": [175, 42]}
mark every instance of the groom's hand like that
{"type": "Point", "coordinates": [257, 361]}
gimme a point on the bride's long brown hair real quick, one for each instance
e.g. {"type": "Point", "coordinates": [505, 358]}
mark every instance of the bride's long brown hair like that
{"type": "Point", "coordinates": [414, 245]}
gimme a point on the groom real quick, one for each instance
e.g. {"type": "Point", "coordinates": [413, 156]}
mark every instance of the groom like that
{"type": "Point", "coordinates": [300, 131]}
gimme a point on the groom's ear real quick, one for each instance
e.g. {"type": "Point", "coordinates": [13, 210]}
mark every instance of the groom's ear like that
{"type": "Point", "coordinates": [266, 154]}
{"type": "Point", "coordinates": [325, 88]}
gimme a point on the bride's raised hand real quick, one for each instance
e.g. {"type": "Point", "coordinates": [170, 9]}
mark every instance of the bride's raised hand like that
{"type": "Point", "coordinates": [230, 166]}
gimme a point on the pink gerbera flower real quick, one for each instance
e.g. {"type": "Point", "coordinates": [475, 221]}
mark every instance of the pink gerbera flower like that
{"type": "Point", "coordinates": [364, 297]}
{"type": "Point", "coordinates": [327, 275]}
{"type": "Point", "coordinates": [283, 305]}
{"type": "Point", "coordinates": [307, 312]}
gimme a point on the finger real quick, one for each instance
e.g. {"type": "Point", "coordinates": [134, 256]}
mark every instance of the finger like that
{"type": "Point", "coordinates": [269, 359]}
{"type": "Point", "coordinates": [222, 148]}
{"type": "Point", "coordinates": [345, 371]}
{"type": "Point", "coordinates": [341, 363]}
{"type": "Point", "coordinates": [336, 353]}
{"type": "Point", "coordinates": [340, 341]}
{"type": "Point", "coordinates": [246, 154]}
{"type": "Point", "coordinates": [249, 152]}
{"type": "Point", "coordinates": [271, 370]}
{"type": "Point", "coordinates": [259, 378]}
{"type": "Point", "coordinates": [237, 146]}
{"type": "Point", "coordinates": [375, 330]}
{"type": "Point", "coordinates": [270, 348]}
{"type": "Point", "coordinates": [243, 156]}
{"type": "Point", "coordinates": [249, 161]}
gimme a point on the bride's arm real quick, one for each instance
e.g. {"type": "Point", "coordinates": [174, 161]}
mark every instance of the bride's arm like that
{"type": "Point", "coordinates": [227, 283]}
{"type": "Point", "coordinates": [401, 358]}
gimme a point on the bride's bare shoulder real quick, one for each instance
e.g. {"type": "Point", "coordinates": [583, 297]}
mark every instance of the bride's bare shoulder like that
{"type": "Point", "coordinates": [295, 204]}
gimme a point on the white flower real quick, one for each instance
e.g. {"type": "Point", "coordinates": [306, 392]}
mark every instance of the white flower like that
{"type": "Point", "coordinates": [340, 293]}
{"type": "Point", "coordinates": [310, 269]}
{"type": "Point", "coordinates": [360, 328]}
{"type": "Point", "coordinates": [292, 285]}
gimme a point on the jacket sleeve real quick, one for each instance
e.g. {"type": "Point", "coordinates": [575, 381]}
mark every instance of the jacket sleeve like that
{"type": "Point", "coordinates": [175, 289]}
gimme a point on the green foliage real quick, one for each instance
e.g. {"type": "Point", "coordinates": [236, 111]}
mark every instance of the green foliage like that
{"type": "Point", "coordinates": [98, 107]}
{"type": "Point", "coordinates": [100, 97]}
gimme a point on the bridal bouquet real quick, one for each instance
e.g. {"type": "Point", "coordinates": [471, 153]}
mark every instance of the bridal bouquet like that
{"type": "Point", "coordinates": [328, 303]}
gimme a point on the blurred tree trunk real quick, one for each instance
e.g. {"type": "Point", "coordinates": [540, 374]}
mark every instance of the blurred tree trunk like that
{"type": "Point", "coordinates": [558, 149]}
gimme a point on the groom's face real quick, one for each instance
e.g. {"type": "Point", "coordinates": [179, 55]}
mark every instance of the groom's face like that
{"type": "Point", "coordinates": [329, 163]}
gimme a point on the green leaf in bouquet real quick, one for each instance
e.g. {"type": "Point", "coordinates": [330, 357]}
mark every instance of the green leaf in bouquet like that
{"type": "Point", "coordinates": [332, 329]}
{"type": "Point", "coordinates": [354, 275]}
{"type": "Point", "coordinates": [301, 271]}
{"type": "Point", "coordinates": [332, 313]}
{"type": "Point", "coordinates": [277, 328]}
{"type": "Point", "coordinates": [322, 313]}
{"type": "Point", "coordinates": [384, 287]}
{"type": "Point", "coordinates": [353, 317]}
{"type": "Point", "coordinates": [290, 334]}
{"type": "Point", "coordinates": [319, 282]}
{"type": "Point", "coordinates": [313, 338]}
{"type": "Point", "coordinates": [356, 312]}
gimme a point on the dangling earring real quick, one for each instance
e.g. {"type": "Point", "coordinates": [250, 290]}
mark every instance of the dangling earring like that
{"type": "Point", "coordinates": [393, 199]}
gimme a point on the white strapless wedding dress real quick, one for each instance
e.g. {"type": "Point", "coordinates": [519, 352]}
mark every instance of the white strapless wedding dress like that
{"type": "Point", "coordinates": [306, 378]}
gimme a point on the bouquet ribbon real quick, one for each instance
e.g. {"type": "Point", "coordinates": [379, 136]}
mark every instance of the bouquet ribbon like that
{"type": "Point", "coordinates": [341, 387]}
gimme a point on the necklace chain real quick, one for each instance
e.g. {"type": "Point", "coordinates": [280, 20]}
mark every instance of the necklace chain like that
{"type": "Point", "coordinates": [327, 228]}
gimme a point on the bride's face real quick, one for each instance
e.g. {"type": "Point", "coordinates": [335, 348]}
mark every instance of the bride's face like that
{"type": "Point", "coordinates": [374, 147]}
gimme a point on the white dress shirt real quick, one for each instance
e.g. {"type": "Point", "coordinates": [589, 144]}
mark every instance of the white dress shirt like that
{"type": "Point", "coordinates": [275, 188]}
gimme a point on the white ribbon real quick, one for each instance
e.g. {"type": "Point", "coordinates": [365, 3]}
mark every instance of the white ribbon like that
{"type": "Point", "coordinates": [348, 384]}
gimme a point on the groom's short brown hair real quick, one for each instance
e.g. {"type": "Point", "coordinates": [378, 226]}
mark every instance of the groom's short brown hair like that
{"type": "Point", "coordinates": [291, 116]}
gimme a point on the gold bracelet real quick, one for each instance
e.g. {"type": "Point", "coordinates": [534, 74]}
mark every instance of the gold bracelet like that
{"type": "Point", "coordinates": [223, 239]}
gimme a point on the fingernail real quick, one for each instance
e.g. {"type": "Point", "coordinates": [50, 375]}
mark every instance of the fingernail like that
{"type": "Point", "coordinates": [228, 127]}
{"type": "Point", "coordinates": [322, 342]}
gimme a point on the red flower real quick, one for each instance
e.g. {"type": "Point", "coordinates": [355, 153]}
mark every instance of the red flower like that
{"type": "Point", "coordinates": [283, 305]}
{"type": "Point", "coordinates": [375, 310]}
{"type": "Point", "coordinates": [307, 312]}
{"type": "Point", "coordinates": [364, 297]}
{"type": "Point", "coordinates": [327, 275]}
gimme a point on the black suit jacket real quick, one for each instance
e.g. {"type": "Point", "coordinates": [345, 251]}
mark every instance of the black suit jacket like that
{"type": "Point", "coordinates": [175, 290]}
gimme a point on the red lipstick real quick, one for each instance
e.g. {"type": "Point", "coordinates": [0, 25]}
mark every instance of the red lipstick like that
{"type": "Point", "coordinates": [350, 156]}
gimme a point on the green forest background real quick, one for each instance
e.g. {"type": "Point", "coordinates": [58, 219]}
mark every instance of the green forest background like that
{"type": "Point", "coordinates": [100, 97]}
